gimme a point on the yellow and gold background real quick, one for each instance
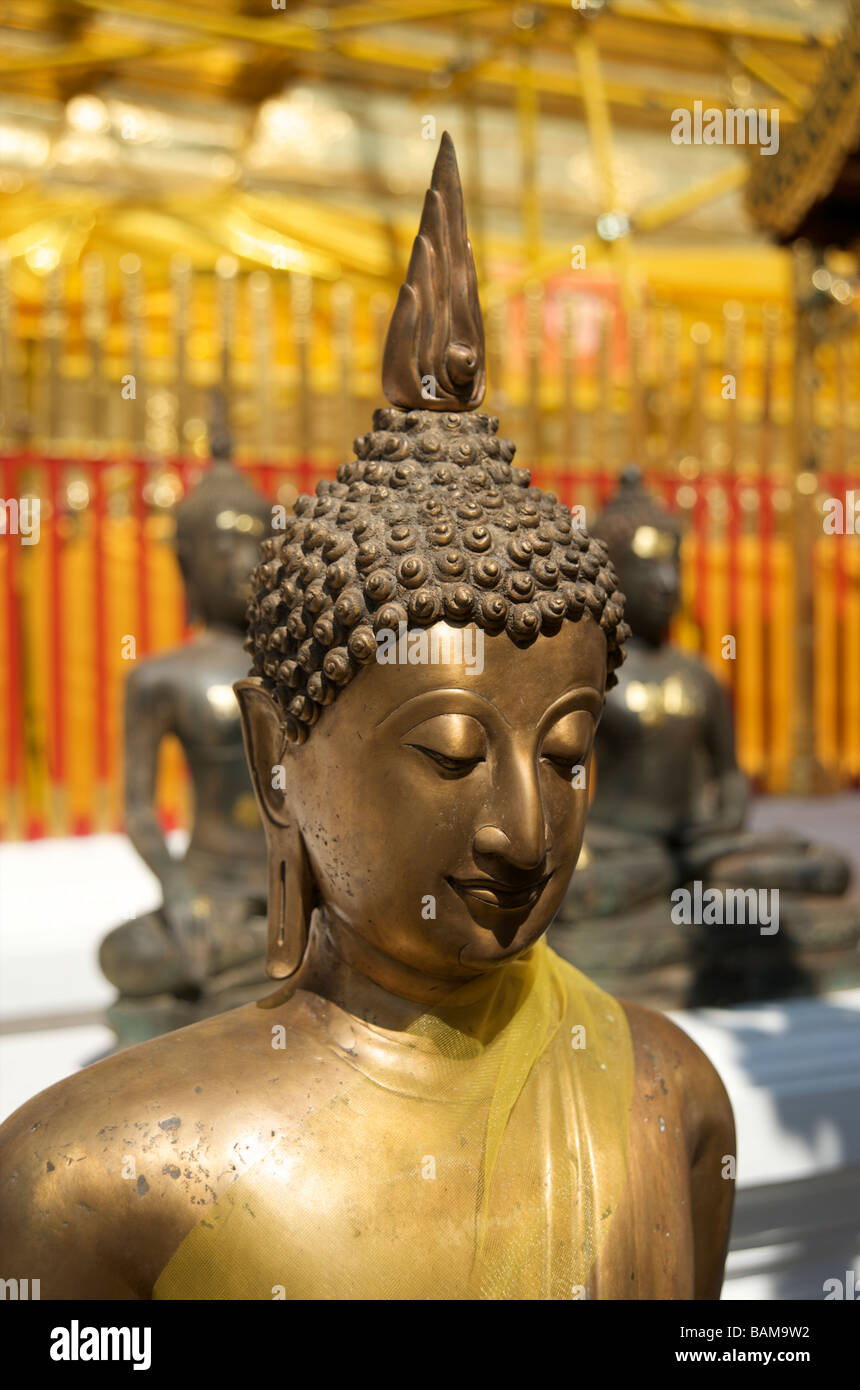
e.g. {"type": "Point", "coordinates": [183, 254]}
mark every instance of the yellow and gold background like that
{"type": "Point", "coordinates": [195, 194]}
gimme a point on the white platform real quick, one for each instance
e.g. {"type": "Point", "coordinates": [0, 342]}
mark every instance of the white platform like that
{"type": "Point", "coordinates": [58, 898]}
{"type": "Point", "coordinates": [792, 1070]}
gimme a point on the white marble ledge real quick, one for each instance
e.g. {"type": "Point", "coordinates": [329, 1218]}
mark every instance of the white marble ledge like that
{"type": "Point", "coordinates": [58, 898]}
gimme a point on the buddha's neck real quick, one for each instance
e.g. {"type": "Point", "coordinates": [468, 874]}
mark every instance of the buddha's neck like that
{"type": "Point", "coordinates": [341, 966]}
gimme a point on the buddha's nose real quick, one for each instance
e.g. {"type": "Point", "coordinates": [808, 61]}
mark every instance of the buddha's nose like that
{"type": "Point", "coordinates": [519, 838]}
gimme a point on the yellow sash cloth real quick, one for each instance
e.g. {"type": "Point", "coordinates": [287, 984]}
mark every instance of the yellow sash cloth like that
{"type": "Point", "coordinates": [479, 1154]}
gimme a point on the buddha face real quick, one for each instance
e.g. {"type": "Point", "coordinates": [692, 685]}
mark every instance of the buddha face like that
{"type": "Point", "coordinates": [218, 574]}
{"type": "Point", "coordinates": [438, 804]}
{"type": "Point", "coordinates": [649, 575]}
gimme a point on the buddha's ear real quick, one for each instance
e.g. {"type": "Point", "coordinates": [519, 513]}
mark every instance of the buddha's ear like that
{"type": "Point", "coordinates": [292, 892]}
{"type": "Point", "coordinates": [263, 730]}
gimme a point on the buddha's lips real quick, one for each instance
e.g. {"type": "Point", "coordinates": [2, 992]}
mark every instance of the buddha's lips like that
{"type": "Point", "coordinates": [501, 895]}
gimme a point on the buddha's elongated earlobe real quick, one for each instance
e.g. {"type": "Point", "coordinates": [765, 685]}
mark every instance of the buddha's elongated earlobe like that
{"type": "Point", "coordinates": [291, 886]}
{"type": "Point", "coordinates": [290, 907]}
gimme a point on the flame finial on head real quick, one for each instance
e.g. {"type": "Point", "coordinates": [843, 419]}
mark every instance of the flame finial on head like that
{"type": "Point", "coordinates": [224, 499]}
{"type": "Point", "coordinates": [434, 352]}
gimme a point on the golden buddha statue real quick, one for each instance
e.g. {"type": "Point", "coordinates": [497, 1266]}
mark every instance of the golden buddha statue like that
{"type": "Point", "coordinates": [670, 808]}
{"type": "Point", "coordinates": [203, 949]}
{"type": "Point", "coordinates": [432, 1105]}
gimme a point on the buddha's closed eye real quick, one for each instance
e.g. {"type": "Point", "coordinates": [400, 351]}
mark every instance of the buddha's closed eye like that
{"type": "Point", "coordinates": [563, 763]}
{"type": "Point", "coordinates": [454, 743]}
{"type": "Point", "coordinates": [568, 742]}
{"type": "Point", "coordinates": [451, 767]}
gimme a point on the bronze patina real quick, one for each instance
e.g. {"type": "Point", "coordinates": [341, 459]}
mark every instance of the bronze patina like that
{"type": "Point", "coordinates": [670, 809]}
{"type": "Point", "coordinates": [206, 943]}
{"type": "Point", "coordinates": [433, 1104]}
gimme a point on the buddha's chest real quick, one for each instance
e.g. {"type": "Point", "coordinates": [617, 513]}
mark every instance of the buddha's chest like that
{"type": "Point", "coordinates": [655, 705]}
{"type": "Point", "coordinates": [379, 1196]}
{"type": "Point", "coordinates": [207, 716]}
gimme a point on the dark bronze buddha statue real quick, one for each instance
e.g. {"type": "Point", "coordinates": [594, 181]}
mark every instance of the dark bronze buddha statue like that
{"type": "Point", "coordinates": [207, 940]}
{"type": "Point", "coordinates": [432, 1104]}
{"type": "Point", "coordinates": [670, 807]}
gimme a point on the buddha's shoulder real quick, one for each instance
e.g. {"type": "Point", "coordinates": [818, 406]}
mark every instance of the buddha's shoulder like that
{"type": "Point", "coordinates": [196, 1078]}
{"type": "Point", "coordinates": [671, 1070]}
{"type": "Point", "coordinates": [158, 673]}
{"type": "Point", "coordinates": [150, 1137]}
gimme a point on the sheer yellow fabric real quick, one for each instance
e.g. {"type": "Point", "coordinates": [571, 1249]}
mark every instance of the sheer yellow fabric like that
{"type": "Point", "coordinates": [481, 1154]}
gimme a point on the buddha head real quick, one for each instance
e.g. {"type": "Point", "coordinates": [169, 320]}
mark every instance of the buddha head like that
{"type": "Point", "coordinates": [219, 526]}
{"type": "Point", "coordinates": [426, 801]}
{"type": "Point", "coordinates": [644, 543]}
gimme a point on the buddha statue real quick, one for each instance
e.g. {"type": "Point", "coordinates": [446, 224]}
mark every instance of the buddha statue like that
{"type": "Point", "coordinates": [431, 1104]}
{"type": "Point", "coordinates": [205, 946]}
{"type": "Point", "coordinates": [669, 809]}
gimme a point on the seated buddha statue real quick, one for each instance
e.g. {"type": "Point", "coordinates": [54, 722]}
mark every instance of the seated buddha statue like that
{"type": "Point", "coordinates": [670, 807]}
{"type": "Point", "coordinates": [207, 939]}
{"type": "Point", "coordinates": [431, 1104]}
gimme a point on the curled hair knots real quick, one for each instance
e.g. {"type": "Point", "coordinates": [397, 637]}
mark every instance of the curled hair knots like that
{"type": "Point", "coordinates": [459, 602]}
{"type": "Point", "coordinates": [412, 571]}
{"type": "Point", "coordinates": [349, 608]}
{"type": "Point", "coordinates": [390, 616]}
{"type": "Point", "coordinates": [477, 538]}
{"type": "Point", "coordinates": [325, 629]}
{"type": "Point", "coordinates": [493, 610]}
{"type": "Point", "coordinates": [553, 608]}
{"type": "Point", "coordinates": [380, 585]}
{"type": "Point", "coordinates": [362, 644]}
{"type": "Point", "coordinates": [271, 606]}
{"type": "Point", "coordinates": [316, 599]}
{"type": "Point", "coordinates": [401, 538]}
{"type": "Point", "coordinates": [335, 547]}
{"type": "Point", "coordinates": [289, 674]}
{"type": "Point", "coordinates": [425, 606]}
{"type": "Point", "coordinates": [488, 572]}
{"type": "Point", "coordinates": [337, 576]}
{"type": "Point", "coordinates": [304, 710]}
{"type": "Point", "coordinates": [520, 587]}
{"type": "Point", "coordinates": [430, 522]}
{"type": "Point", "coordinates": [369, 555]}
{"type": "Point", "coordinates": [524, 621]}
{"type": "Point", "coordinates": [589, 566]}
{"type": "Point", "coordinates": [546, 572]}
{"type": "Point", "coordinates": [450, 564]}
{"type": "Point", "coordinates": [320, 689]}
{"type": "Point", "coordinates": [336, 666]}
